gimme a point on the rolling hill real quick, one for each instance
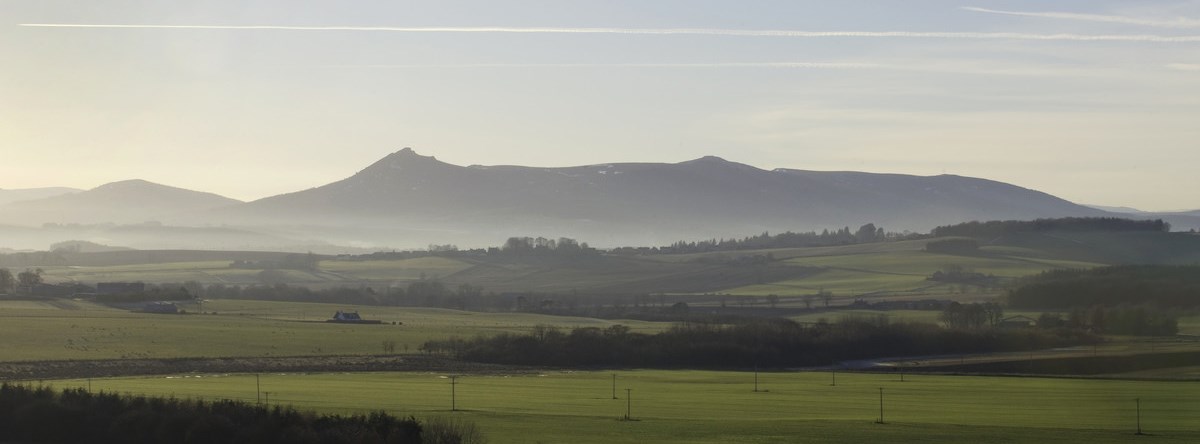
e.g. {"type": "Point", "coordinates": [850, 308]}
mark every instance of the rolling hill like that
{"type": "Point", "coordinates": [129, 201]}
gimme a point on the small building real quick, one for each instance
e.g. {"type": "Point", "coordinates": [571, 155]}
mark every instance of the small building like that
{"type": "Point", "coordinates": [348, 316]}
{"type": "Point", "coordinates": [351, 317]}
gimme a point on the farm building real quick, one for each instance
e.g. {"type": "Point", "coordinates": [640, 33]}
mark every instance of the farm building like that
{"type": "Point", "coordinates": [351, 317]}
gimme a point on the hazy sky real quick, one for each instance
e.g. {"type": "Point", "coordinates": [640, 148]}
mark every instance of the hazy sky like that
{"type": "Point", "coordinates": [1094, 101]}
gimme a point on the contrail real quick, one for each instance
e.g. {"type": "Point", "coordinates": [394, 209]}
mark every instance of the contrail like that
{"type": "Point", "coordinates": [665, 31]}
{"type": "Point", "coordinates": [726, 65]}
{"type": "Point", "coordinates": [1177, 23]}
{"type": "Point", "coordinates": [1184, 66]}
{"type": "Point", "coordinates": [796, 65]}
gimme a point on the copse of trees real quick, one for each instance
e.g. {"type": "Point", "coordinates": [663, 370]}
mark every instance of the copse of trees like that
{"type": "Point", "coordinates": [1171, 286]}
{"type": "Point", "coordinates": [530, 246]}
{"type": "Point", "coordinates": [774, 343]}
{"type": "Point", "coordinates": [1140, 300]}
{"type": "Point", "coordinates": [1123, 320]}
{"type": "Point", "coordinates": [991, 229]}
{"type": "Point", "coordinates": [972, 316]}
{"type": "Point", "coordinates": [21, 282]}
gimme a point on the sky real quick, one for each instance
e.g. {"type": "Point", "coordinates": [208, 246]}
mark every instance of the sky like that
{"type": "Point", "coordinates": [1094, 101]}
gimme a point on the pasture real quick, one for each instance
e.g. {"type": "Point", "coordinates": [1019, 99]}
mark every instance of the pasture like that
{"type": "Point", "coordinates": [900, 272]}
{"type": "Point", "coordinates": [65, 329]}
{"type": "Point", "coordinates": [721, 407]}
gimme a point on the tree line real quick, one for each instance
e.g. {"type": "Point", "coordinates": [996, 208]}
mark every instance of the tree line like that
{"type": "Point", "coordinates": [1142, 300]}
{"type": "Point", "coordinates": [1121, 320]}
{"type": "Point", "coordinates": [41, 414]}
{"type": "Point", "coordinates": [991, 229]}
{"type": "Point", "coordinates": [22, 282]}
{"type": "Point", "coordinates": [516, 246]}
{"type": "Point", "coordinates": [1171, 286]}
{"type": "Point", "coordinates": [771, 343]}
{"type": "Point", "coordinates": [844, 236]}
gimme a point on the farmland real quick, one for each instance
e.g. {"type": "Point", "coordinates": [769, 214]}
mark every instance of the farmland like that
{"type": "Point", "coordinates": [876, 270]}
{"type": "Point", "coordinates": [521, 405]}
{"type": "Point", "coordinates": [81, 330]}
{"type": "Point", "coordinates": [707, 406]}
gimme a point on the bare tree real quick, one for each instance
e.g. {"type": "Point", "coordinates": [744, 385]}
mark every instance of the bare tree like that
{"type": "Point", "coordinates": [6, 280]}
{"type": "Point", "coordinates": [30, 278]}
{"type": "Point", "coordinates": [826, 297]}
{"type": "Point", "coordinates": [808, 300]}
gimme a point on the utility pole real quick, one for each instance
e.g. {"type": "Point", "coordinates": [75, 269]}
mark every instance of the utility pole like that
{"type": "Point", "coordinates": [881, 406]}
{"type": "Point", "coordinates": [1139, 415]}
{"type": "Point", "coordinates": [453, 396]}
{"type": "Point", "coordinates": [628, 404]}
{"type": "Point", "coordinates": [89, 385]}
{"type": "Point", "coordinates": [257, 389]}
{"type": "Point", "coordinates": [267, 399]}
{"type": "Point", "coordinates": [614, 386]}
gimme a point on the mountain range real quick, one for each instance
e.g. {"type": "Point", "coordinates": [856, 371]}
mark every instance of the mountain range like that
{"type": "Point", "coordinates": [409, 200]}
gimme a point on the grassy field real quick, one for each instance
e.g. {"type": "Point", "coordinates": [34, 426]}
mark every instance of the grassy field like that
{"type": "Point", "coordinates": [330, 273]}
{"type": "Point", "coordinates": [395, 270]}
{"type": "Point", "coordinates": [81, 330]}
{"type": "Point", "coordinates": [899, 272]}
{"type": "Point", "coordinates": [65, 329]}
{"type": "Point", "coordinates": [721, 407]}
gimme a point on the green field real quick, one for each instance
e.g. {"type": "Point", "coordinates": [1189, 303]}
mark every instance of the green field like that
{"type": "Point", "coordinates": [721, 407]}
{"type": "Point", "coordinates": [81, 330]}
{"type": "Point", "coordinates": [899, 272]}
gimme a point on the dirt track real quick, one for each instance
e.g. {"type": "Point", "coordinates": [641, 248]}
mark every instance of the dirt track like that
{"type": "Point", "coordinates": [34, 370]}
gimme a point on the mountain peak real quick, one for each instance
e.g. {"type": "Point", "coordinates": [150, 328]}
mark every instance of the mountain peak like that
{"type": "Point", "coordinates": [405, 161]}
{"type": "Point", "coordinates": [405, 155]}
{"type": "Point", "coordinates": [708, 159]}
{"type": "Point", "coordinates": [715, 163]}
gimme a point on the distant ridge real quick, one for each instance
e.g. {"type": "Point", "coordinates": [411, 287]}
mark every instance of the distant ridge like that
{"type": "Point", "coordinates": [408, 200]}
{"type": "Point", "coordinates": [128, 201]}
{"type": "Point", "coordinates": [629, 203]}
{"type": "Point", "coordinates": [17, 195]}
